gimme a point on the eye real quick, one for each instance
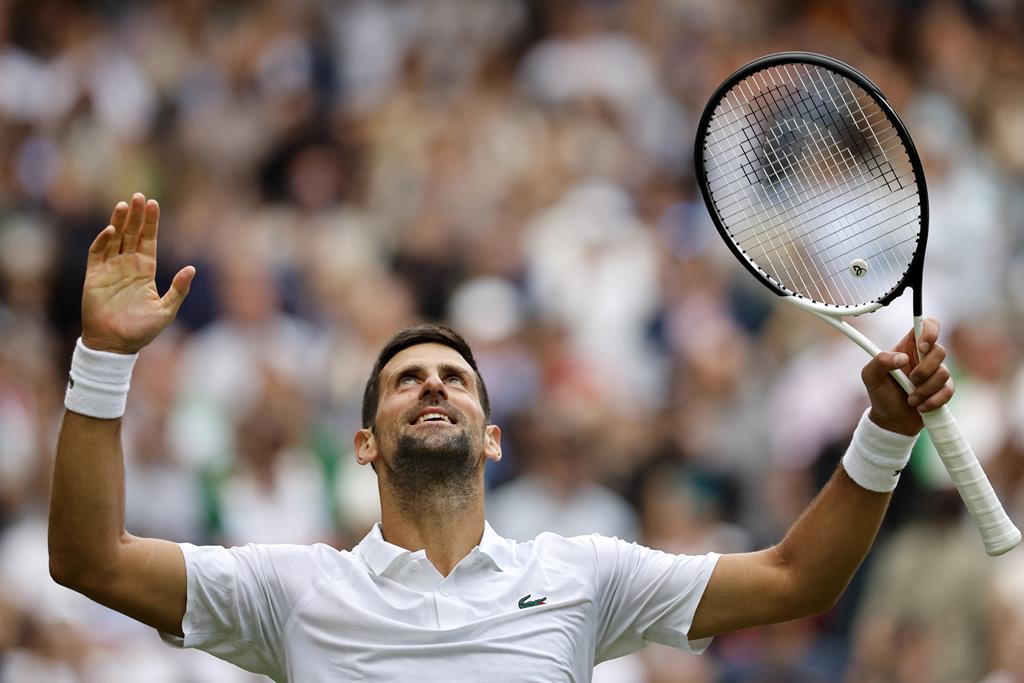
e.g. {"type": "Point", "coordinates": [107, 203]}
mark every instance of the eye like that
{"type": "Point", "coordinates": [406, 380]}
{"type": "Point", "coordinates": [456, 379]}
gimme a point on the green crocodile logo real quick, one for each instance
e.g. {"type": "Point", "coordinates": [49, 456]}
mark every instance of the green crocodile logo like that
{"type": "Point", "coordinates": [525, 601]}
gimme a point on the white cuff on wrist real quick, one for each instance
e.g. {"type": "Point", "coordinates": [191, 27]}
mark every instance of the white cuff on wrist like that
{"type": "Point", "coordinates": [99, 381]}
{"type": "Point", "coordinates": [876, 456]}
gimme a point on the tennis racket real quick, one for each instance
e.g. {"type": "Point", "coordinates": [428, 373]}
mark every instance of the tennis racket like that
{"type": "Point", "coordinates": [814, 184]}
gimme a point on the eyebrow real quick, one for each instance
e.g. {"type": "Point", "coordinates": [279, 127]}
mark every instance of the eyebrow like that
{"type": "Point", "coordinates": [443, 369]}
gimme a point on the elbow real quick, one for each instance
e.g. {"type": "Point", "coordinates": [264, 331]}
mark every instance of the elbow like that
{"type": "Point", "coordinates": [61, 563]}
{"type": "Point", "coordinates": [808, 603]}
{"type": "Point", "coordinates": [804, 593]}
{"type": "Point", "coordinates": [822, 603]}
{"type": "Point", "coordinates": [822, 597]}
{"type": "Point", "coordinates": [58, 568]}
{"type": "Point", "coordinates": [60, 575]}
{"type": "Point", "coordinates": [88, 584]}
{"type": "Point", "coordinates": [80, 567]}
{"type": "Point", "coordinates": [79, 577]}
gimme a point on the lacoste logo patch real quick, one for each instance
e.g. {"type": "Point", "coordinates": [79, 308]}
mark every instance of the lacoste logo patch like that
{"type": "Point", "coordinates": [525, 601]}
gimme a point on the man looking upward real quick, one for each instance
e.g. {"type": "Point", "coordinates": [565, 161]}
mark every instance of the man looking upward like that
{"type": "Point", "coordinates": [432, 592]}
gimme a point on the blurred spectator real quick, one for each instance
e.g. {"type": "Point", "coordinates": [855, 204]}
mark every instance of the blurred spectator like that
{"type": "Point", "coordinates": [927, 615]}
{"type": "Point", "coordinates": [556, 489]}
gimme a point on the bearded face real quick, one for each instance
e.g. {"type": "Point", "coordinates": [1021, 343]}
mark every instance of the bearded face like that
{"type": "Point", "coordinates": [430, 435]}
{"type": "Point", "coordinates": [434, 449]}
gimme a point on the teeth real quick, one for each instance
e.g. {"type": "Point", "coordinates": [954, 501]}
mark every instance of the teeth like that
{"type": "Point", "coordinates": [433, 416]}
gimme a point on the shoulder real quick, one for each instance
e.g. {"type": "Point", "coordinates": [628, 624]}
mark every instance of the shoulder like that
{"type": "Point", "coordinates": [280, 563]}
{"type": "Point", "coordinates": [609, 554]}
{"type": "Point", "coordinates": [583, 550]}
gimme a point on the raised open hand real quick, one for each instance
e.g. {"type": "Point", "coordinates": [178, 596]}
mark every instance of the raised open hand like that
{"type": "Point", "coordinates": [122, 310]}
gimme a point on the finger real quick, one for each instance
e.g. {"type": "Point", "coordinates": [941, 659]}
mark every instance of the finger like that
{"type": "Point", "coordinates": [928, 364]}
{"type": "Point", "coordinates": [117, 219]}
{"type": "Point", "coordinates": [938, 399]}
{"type": "Point", "coordinates": [130, 240]}
{"type": "Point", "coordinates": [876, 372]}
{"type": "Point", "coordinates": [908, 346]}
{"type": "Point", "coordinates": [150, 223]}
{"type": "Point", "coordinates": [929, 335]}
{"type": "Point", "coordinates": [916, 347]}
{"type": "Point", "coordinates": [98, 248]}
{"type": "Point", "coordinates": [929, 386]}
{"type": "Point", "coordinates": [118, 215]}
{"type": "Point", "coordinates": [174, 297]}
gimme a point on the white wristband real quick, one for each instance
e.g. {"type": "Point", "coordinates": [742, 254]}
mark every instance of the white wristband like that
{"type": "Point", "coordinates": [98, 385]}
{"type": "Point", "coordinates": [876, 456]}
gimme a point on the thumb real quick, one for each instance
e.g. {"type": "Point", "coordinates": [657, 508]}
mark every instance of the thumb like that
{"type": "Point", "coordinates": [178, 290]}
{"type": "Point", "coordinates": [877, 371]}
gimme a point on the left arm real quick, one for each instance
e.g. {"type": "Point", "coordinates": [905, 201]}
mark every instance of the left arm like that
{"type": "Point", "coordinates": [807, 572]}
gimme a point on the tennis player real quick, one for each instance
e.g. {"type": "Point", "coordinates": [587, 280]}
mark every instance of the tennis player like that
{"type": "Point", "coordinates": [433, 592]}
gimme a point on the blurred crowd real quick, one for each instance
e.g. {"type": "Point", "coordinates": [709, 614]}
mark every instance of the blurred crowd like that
{"type": "Point", "coordinates": [520, 169]}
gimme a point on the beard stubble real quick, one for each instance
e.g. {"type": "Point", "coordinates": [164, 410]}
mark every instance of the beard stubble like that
{"type": "Point", "coordinates": [434, 469]}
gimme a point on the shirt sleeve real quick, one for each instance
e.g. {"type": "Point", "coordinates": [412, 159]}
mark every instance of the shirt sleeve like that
{"type": "Point", "coordinates": [239, 600]}
{"type": "Point", "coordinates": [645, 596]}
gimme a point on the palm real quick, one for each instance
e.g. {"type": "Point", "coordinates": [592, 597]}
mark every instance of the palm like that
{"type": "Point", "coordinates": [122, 310]}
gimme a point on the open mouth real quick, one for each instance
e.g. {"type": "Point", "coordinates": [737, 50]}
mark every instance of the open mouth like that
{"type": "Point", "coordinates": [433, 415]}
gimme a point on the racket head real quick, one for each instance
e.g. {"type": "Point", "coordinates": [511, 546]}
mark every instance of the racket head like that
{"type": "Point", "coordinates": [798, 152]}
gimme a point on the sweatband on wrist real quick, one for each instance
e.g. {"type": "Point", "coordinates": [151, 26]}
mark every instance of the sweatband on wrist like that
{"type": "Point", "coordinates": [876, 456]}
{"type": "Point", "coordinates": [99, 381]}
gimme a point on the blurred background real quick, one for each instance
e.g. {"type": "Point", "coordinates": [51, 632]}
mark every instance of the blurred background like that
{"type": "Point", "coordinates": [520, 169]}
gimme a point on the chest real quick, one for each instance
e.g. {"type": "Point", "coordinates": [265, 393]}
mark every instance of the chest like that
{"type": "Point", "coordinates": [489, 626]}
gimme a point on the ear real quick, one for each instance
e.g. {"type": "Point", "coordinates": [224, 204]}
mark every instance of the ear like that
{"type": "Point", "coordinates": [492, 442]}
{"type": "Point", "coordinates": [366, 446]}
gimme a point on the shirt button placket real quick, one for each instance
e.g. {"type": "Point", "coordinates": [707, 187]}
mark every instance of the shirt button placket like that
{"type": "Point", "coordinates": [445, 613]}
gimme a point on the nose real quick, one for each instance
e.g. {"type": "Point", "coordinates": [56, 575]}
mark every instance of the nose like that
{"type": "Point", "coordinates": [433, 386]}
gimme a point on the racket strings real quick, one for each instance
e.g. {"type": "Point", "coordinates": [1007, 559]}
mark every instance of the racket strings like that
{"type": "Point", "coordinates": [839, 165]}
{"type": "Point", "coordinates": [776, 171]}
{"type": "Point", "coordinates": [771, 155]}
{"type": "Point", "coordinates": [842, 166]}
{"type": "Point", "coordinates": [823, 192]}
{"type": "Point", "coordinates": [807, 173]}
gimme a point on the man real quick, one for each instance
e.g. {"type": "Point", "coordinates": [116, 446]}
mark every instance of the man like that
{"type": "Point", "coordinates": [432, 593]}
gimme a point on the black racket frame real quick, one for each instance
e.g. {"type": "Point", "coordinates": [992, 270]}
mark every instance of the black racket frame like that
{"type": "Point", "coordinates": [912, 278]}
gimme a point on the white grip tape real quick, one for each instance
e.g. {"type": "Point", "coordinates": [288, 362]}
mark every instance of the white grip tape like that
{"type": "Point", "coordinates": [98, 382]}
{"type": "Point", "coordinates": [997, 530]}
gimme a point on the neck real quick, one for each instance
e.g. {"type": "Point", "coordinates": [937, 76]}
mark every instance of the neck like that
{"type": "Point", "coordinates": [448, 525]}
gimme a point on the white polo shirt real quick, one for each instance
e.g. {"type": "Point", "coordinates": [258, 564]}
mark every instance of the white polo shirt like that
{"type": "Point", "coordinates": [546, 610]}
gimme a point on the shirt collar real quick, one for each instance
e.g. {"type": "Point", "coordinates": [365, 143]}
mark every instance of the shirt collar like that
{"type": "Point", "coordinates": [496, 547]}
{"type": "Point", "coordinates": [379, 555]}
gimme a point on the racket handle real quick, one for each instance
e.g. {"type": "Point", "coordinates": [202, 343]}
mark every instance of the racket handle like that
{"type": "Point", "coordinates": [997, 530]}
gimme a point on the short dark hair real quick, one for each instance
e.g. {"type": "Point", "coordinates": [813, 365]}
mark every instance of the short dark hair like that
{"type": "Point", "coordinates": [426, 333]}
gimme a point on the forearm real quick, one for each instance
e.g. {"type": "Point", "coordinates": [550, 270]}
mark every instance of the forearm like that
{"type": "Point", "coordinates": [122, 311]}
{"type": "Point", "coordinates": [807, 572]}
{"type": "Point", "coordinates": [830, 539]}
{"type": "Point", "coordinates": [87, 499]}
